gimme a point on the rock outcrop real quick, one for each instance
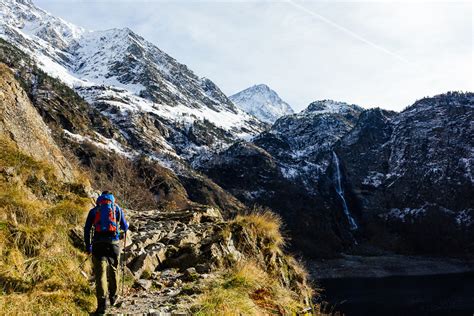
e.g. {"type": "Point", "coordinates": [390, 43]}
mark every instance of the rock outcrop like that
{"type": "Point", "coordinates": [21, 122]}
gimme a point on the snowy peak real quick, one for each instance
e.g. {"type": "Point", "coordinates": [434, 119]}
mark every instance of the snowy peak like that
{"type": "Point", "coordinates": [330, 106]}
{"type": "Point", "coordinates": [262, 102]}
{"type": "Point", "coordinates": [22, 15]}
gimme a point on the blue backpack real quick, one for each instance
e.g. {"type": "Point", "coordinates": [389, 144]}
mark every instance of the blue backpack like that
{"type": "Point", "coordinates": [105, 221]}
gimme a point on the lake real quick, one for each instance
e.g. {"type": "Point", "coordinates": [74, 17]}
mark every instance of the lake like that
{"type": "Point", "coordinates": [442, 294]}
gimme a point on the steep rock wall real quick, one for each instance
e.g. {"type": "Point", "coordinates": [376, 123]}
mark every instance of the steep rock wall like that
{"type": "Point", "coordinates": [21, 122]}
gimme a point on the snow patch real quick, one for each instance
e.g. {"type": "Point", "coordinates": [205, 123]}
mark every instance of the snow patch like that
{"type": "Point", "coordinates": [102, 142]}
{"type": "Point", "coordinates": [373, 179]}
{"type": "Point", "coordinates": [403, 214]}
{"type": "Point", "coordinates": [464, 218]}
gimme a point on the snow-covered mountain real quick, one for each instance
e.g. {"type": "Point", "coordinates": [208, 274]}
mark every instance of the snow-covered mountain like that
{"type": "Point", "coordinates": [330, 106]}
{"type": "Point", "coordinates": [262, 102]}
{"type": "Point", "coordinates": [300, 140]}
{"type": "Point", "coordinates": [398, 174]}
{"type": "Point", "coordinates": [130, 80]}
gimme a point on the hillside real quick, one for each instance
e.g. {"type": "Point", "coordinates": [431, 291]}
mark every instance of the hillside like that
{"type": "Point", "coordinates": [201, 259]}
{"type": "Point", "coordinates": [40, 201]}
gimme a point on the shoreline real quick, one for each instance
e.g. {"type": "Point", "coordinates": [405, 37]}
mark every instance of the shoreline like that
{"type": "Point", "coordinates": [352, 266]}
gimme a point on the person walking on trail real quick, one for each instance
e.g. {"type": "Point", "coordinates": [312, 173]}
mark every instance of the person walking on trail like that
{"type": "Point", "coordinates": [106, 219]}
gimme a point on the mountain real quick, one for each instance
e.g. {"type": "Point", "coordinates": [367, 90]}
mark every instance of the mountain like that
{"type": "Point", "coordinates": [261, 102]}
{"type": "Point", "coordinates": [412, 173]}
{"type": "Point", "coordinates": [132, 82]}
{"type": "Point", "coordinates": [285, 168]}
{"type": "Point", "coordinates": [303, 136]}
{"type": "Point", "coordinates": [344, 178]}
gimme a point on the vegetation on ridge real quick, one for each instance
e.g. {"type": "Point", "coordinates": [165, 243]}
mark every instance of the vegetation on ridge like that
{"type": "Point", "coordinates": [39, 266]}
{"type": "Point", "coordinates": [265, 281]}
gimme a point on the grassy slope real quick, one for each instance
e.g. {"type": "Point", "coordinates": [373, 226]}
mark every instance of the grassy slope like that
{"type": "Point", "coordinates": [265, 282]}
{"type": "Point", "coordinates": [39, 266]}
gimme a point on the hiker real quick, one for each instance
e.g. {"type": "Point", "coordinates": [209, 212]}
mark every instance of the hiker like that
{"type": "Point", "coordinates": [106, 218]}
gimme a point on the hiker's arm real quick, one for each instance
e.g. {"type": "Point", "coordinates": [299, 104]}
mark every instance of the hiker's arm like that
{"type": "Point", "coordinates": [87, 229]}
{"type": "Point", "coordinates": [123, 220]}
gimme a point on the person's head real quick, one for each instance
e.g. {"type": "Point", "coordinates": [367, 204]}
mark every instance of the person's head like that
{"type": "Point", "coordinates": [106, 196]}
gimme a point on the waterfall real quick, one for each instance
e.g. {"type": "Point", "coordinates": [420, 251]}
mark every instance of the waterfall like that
{"type": "Point", "coordinates": [340, 192]}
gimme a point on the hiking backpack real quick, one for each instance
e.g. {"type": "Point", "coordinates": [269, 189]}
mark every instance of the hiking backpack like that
{"type": "Point", "coordinates": [105, 221]}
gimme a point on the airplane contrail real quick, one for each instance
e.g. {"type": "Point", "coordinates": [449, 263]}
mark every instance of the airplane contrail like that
{"type": "Point", "coordinates": [347, 31]}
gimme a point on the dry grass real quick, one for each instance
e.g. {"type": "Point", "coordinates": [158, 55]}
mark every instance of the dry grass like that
{"type": "Point", "coordinates": [264, 224]}
{"type": "Point", "coordinates": [246, 289]}
{"type": "Point", "coordinates": [38, 265]}
{"type": "Point", "coordinates": [256, 285]}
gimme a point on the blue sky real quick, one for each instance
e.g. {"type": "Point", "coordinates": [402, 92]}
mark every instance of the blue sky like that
{"type": "Point", "coordinates": [372, 53]}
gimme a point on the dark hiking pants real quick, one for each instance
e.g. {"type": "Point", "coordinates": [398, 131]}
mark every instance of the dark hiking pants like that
{"type": "Point", "coordinates": [105, 258]}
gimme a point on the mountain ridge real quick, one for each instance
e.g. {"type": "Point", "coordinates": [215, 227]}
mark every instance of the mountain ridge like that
{"type": "Point", "coordinates": [117, 71]}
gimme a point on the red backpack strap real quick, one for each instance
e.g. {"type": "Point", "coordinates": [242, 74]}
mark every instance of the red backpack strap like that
{"type": "Point", "coordinates": [96, 221]}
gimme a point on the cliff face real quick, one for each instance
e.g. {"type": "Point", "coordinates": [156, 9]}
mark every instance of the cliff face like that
{"type": "Point", "coordinates": [404, 178]}
{"type": "Point", "coordinates": [413, 172]}
{"type": "Point", "coordinates": [22, 123]}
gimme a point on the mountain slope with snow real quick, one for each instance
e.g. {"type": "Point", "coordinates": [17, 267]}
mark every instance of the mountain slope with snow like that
{"type": "Point", "coordinates": [262, 102]}
{"type": "Point", "coordinates": [131, 81]}
{"type": "Point", "coordinates": [404, 178]}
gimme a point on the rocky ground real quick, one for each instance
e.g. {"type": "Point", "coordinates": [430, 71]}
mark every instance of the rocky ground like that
{"type": "Point", "coordinates": [172, 257]}
{"type": "Point", "coordinates": [169, 243]}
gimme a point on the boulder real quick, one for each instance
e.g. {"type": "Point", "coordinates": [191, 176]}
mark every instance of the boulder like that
{"type": "Point", "coordinates": [148, 261]}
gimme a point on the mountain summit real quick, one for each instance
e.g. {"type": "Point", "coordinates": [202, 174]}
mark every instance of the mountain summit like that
{"type": "Point", "coordinates": [330, 106]}
{"type": "Point", "coordinates": [262, 102]}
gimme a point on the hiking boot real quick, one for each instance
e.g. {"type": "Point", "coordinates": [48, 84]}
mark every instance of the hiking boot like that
{"type": "Point", "coordinates": [114, 300]}
{"type": "Point", "coordinates": [101, 307]}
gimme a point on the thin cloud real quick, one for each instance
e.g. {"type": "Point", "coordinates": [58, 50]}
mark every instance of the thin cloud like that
{"type": "Point", "coordinates": [239, 43]}
{"type": "Point", "coordinates": [347, 31]}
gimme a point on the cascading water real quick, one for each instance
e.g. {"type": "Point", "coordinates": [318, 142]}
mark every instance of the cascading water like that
{"type": "Point", "coordinates": [340, 192]}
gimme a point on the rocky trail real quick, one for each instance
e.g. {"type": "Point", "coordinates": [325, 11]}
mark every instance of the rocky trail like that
{"type": "Point", "coordinates": [173, 257]}
{"type": "Point", "coordinates": [168, 257]}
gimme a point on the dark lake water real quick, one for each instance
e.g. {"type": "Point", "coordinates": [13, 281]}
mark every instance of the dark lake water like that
{"type": "Point", "coordinates": [447, 294]}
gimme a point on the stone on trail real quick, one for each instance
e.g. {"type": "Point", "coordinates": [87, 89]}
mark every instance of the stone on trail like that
{"type": "Point", "coordinates": [147, 261]}
{"type": "Point", "coordinates": [142, 283]}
